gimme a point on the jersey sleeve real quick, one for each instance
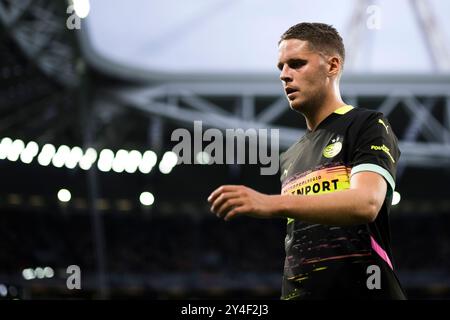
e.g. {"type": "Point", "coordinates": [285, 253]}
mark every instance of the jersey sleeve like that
{"type": "Point", "coordinates": [376, 149]}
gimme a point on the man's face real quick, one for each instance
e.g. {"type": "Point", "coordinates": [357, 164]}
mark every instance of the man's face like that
{"type": "Point", "coordinates": [303, 74]}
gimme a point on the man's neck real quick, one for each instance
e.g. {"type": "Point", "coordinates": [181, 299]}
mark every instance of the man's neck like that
{"type": "Point", "coordinates": [327, 107]}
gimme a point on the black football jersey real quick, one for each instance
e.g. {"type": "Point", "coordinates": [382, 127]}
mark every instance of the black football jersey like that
{"type": "Point", "coordinates": [336, 262]}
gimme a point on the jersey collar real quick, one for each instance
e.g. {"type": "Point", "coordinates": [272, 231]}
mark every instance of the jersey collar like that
{"type": "Point", "coordinates": [339, 111]}
{"type": "Point", "coordinates": [343, 109]}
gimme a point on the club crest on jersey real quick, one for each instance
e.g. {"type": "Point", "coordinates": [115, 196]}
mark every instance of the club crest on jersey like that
{"type": "Point", "coordinates": [333, 148]}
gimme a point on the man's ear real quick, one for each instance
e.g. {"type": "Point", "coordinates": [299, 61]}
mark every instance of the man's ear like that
{"type": "Point", "coordinates": [334, 66]}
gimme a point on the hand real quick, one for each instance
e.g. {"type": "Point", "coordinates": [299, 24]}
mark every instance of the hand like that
{"type": "Point", "coordinates": [230, 201]}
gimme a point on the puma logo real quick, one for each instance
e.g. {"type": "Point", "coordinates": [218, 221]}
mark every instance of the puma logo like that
{"type": "Point", "coordinates": [285, 172]}
{"type": "Point", "coordinates": [384, 125]}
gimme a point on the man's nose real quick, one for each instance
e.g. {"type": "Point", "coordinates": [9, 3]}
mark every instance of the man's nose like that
{"type": "Point", "coordinates": [285, 74]}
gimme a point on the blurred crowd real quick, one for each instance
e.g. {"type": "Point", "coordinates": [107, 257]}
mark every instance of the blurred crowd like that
{"type": "Point", "coordinates": [159, 246]}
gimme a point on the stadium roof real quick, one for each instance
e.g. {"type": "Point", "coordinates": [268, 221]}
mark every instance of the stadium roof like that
{"type": "Point", "coordinates": [240, 37]}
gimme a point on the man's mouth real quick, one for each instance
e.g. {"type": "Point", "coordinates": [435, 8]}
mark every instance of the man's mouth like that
{"type": "Point", "coordinates": [290, 91]}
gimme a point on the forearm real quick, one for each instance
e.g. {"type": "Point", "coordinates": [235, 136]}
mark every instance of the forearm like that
{"type": "Point", "coordinates": [348, 207]}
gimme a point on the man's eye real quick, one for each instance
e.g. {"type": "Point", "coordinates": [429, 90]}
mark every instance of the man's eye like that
{"type": "Point", "coordinates": [296, 65]}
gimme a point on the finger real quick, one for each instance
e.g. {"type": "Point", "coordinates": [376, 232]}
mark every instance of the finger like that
{"type": "Point", "coordinates": [216, 193]}
{"type": "Point", "coordinates": [234, 213]}
{"type": "Point", "coordinates": [228, 206]}
{"type": "Point", "coordinates": [222, 199]}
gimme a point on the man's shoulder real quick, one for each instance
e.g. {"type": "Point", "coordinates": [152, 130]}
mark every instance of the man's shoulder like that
{"type": "Point", "coordinates": [360, 118]}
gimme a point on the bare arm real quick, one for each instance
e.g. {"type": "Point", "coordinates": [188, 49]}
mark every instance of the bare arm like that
{"type": "Point", "coordinates": [359, 204]}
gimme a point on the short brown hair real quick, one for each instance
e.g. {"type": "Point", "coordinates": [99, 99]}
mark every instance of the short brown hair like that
{"type": "Point", "coordinates": [320, 36]}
